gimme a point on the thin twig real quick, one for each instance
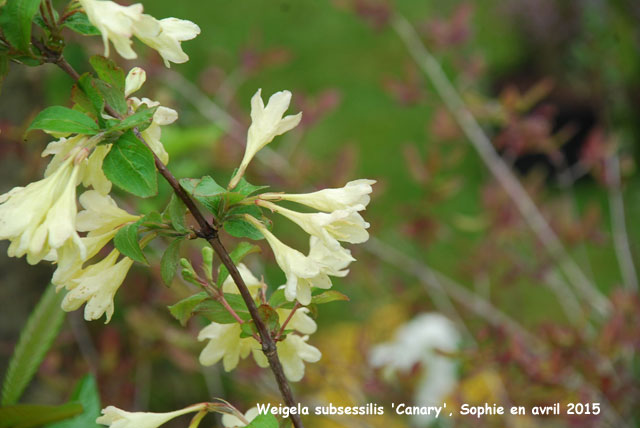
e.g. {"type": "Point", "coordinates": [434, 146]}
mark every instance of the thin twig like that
{"type": "Point", "coordinates": [210, 233]}
{"type": "Point", "coordinates": [502, 173]}
{"type": "Point", "coordinates": [619, 223]}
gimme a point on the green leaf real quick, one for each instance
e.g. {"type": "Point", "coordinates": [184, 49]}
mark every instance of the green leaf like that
{"type": "Point", "coordinates": [37, 336]}
{"type": "Point", "coordinates": [79, 22]}
{"type": "Point", "coordinates": [108, 71]}
{"type": "Point", "coordinates": [270, 317]}
{"type": "Point", "coordinates": [63, 119]}
{"type": "Point", "coordinates": [329, 296]}
{"type": "Point", "coordinates": [241, 228]}
{"type": "Point", "coordinates": [141, 118]}
{"type": "Point", "coordinates": [16, 22]}
{"type": "Point", "coordinates": [92, 95]}
{"type": "Point", "coordinates": [214, 311]}
{"type": "Point", "coordinates": [130, 166]}
{"type": "Point", "coordinates": [205, 190]}
{"type": "Point", "coordinates": [246, 189]}
{"type": "Point", "coordinates": [240, 252]}
{"type": "Point", "coordinates": [126, 241]}
{"type": "Point", "coordinates": [278, 300]}
{"type": "Point", "coordinates": [169, 261]}
{"type": "Point", "coordinates": [35, 415]}
{"type": "Point", "coordinates": [183, 310]}
{"type": "Point", "coordinates": [175, 213]}
{"type": "Point", "coordinates": [86, 393]}
{"type": "Point", "coordinates": [113, 97]}
{"type": "Point", "coordinates": [264, 421]}
{"type": "Point", "coordinates": [248, 329]}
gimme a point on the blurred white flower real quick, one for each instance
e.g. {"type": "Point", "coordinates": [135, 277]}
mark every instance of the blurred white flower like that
{"type": "Point", "coordinates": [293, 351]}
{"type": "Point", "coordinates": [96, 286]}
{"type": "Point", "coordinates": [417, 342]}
{"type": "Point", "coordinates": [224, 344]}
{"type": "Point", "coordinates": [301, 272]}
{"type": "Point", "coordinates": [230, 421]}
{"type": "Point", "coordinates": [165, 36]}
{"type": "Point", "coordinates": [162, 116]}
{"type": "Point", "coordinates": [115, 22]}
{"type": "Point", "coordinates": [252, 283]}
{"type": "Point", "coordinates": [341, 225]}
{"type": "Point", "coordinates": [117, 418]}
{"type": "Point", "coordinates": [41, 217]}
{"type": "Point", "coordinates": [353, 194]}
{"type": "Point", "coordinates": [266, 123]}
{"type": "Point", "coordinates": [134, 81]}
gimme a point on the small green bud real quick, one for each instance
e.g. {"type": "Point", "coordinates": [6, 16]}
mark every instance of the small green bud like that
{"type": "Point", "coordinates": [207, 262]}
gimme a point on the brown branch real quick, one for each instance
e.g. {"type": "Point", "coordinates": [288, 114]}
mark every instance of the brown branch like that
{"type": "Point", "coordinates": [210, 233]}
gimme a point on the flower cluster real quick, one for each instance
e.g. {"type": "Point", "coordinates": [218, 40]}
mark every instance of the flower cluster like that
{"type": "Point", "coordinates": [119, 24]}
{"type": "Point", "coordinates": [42, 222]}
{"type": "Point", "coordinates": [227, 344]}
{"type": "Point", "coordinates": [339, 219]}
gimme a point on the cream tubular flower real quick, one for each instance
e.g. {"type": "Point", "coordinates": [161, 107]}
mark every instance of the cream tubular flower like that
{"type": "Point", "coordinates": [165, 36]}
{"type": "Point", "coordinates": [302, 272]}
{"type": "Point", "coordinates": [224, 344]}
{"type": "Point", "coordinates": [266, 123]}
{"type": "Point", "coordinates": [117, 418]}
{"type": "Point", "coordinates": [333, 261]}
{"type": "Point", "coordinates": [252, 283]}
{"type": "Point", "coordinates": [300, 321]}
{"type": "Point", "coordinates": [41, 217]}
{"type": "Point", "coordinates": [134, 81]}
{"type": "Point", "coordinates": [102, 218]}
{"type": "Point", "coordinates": [94, 175]}
{"type": "Point", "coordinates": [293, 351]}
{"type": "Point", "coordinates": [230, 421]}
{"type": "Point", "coordinates": [353, 194]}
{"type": "Point", "coordinates": [101, 214]}
{"type": "Point", "coordinates": [115, 22]}
{"type": "Point", "coordinates": [96, 286]}
{"type": "Point", "coordinates": [341, 225]}
{"type": "Point", "coordinates": [162, 116]}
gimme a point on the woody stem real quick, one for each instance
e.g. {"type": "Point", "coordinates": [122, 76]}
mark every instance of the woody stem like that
{"type": "Point", "coordinates": [208, 231]}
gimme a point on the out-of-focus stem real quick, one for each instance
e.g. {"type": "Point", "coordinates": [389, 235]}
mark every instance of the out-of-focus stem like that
{"type": "Point", "coordinates": [496, 165]}
{"type": "Point", "coordinates": [619, 223]}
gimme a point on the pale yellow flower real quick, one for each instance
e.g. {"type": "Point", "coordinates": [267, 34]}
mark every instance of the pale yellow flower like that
{"type": "Point", "coordinates": [115, 22]}
{"type": "Point", "coordinates": [266, 123]}
{"type": "Point", "coordinates": [162, 116]}
{"type": "Point", "coordinates": [117, 418]}
{"type": "Point", "coordinates": [230, 421]}
{"type": "Point", "coordinates": [134, 80]}
{"type": "Point", "coordinates": [341, 225]}
{"type": "Point", "coordinates": [101, 214]}
{"type": "Point", "coordinates": [302, 272]}
{"type": "Point", "coordinates": [165, 36]}
{"type": "Point", "coordinates": [353, 194]}
{"type": "Point", "coordinates": [293, 351]}
{"type": "Point", "coordinates": [96, 286]}
{"type": "Point", "coordinates": [40, 217]}
{"type": "Point", "coordinates": [224, 344]}
{"type": "Point", "coordinates": [252, 283]}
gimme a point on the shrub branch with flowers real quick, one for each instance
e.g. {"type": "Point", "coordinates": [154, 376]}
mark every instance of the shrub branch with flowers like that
{"type": "Point", "coordinates": [110, 137]}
